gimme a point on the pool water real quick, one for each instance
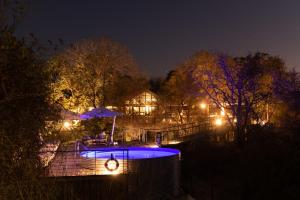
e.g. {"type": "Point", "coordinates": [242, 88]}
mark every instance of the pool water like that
{"type": "Point", "coordinates": [132, 153]}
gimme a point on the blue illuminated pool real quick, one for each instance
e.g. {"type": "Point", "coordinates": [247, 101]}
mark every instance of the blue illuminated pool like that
{"type": "Point", "coordinates": [131, 153]}
{"type": "Point", "coordinates": [157, 168]}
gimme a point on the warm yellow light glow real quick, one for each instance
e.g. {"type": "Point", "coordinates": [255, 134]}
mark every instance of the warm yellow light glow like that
{"type": "Point", "coordinates": [67, 124]}
{"type": "Point", "coordinates": [112, 165]}
{"type": "Point", "coordinates": [174, 142]}
{"type": "Point", "coordinates": [153, 146]}
{"type": "Point", "coordinates": [234, 120]}
{"type": "Point", "coordinates": [90, 108]}
{"type": "Point", "coordinates": [75, 122]}
{"type": "Point", "coordinates": [218, 122]}
{"type": "Point", "coordinates": [147, 109]}
{"type": "Point", "coordinates": [203, 105]}
{"type": "Point", "coordinates": [222, 112]}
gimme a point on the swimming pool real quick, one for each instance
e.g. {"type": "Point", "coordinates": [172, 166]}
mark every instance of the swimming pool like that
{"type": "Point", "coordinates": [157, 169]}
{"type": "Point", "coordinates": [130, 153]}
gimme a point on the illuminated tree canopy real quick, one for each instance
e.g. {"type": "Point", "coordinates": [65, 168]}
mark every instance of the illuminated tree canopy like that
{"type": "Point", "coordinates": [242, 87]}
{"type": "Point", "coordinates": [91, 72]}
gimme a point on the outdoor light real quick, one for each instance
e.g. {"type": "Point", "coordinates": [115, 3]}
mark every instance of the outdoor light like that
{"type": "Point", "coordinates": [203, 105]}
{"type": "Point", "coordinates": [90, 108]}
{"type": "Point", "coordinates": [218, 122]}
{"type": "Point", "coordinates": [174, 142]}
{"type": "Point", "coordinates": [262, 123]}
{"type": "Point", "coordinates": [222, 112]}
{"type": "Point", "coordinates": [76, 122]}
{"type": "Point", "coordinates": [67, 124]}
{"type": "Point", "coordinates": [153, 146]}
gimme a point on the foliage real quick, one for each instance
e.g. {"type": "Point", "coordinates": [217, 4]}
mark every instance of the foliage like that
{"type": "Point", "coordinates": [92, 73]}
{"type": "Point", "coordinates": [11, 12]}
{"type": "Point", "coordinates": [242, 87]}
{"type": "Point", "coordinates": [179, 93]}
{"type": "Point", "coordinates": [23, 112]}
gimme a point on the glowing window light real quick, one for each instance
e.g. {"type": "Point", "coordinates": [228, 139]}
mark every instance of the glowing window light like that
{"type": "Point", "coordinates": [218, 122]}
{"type": "Point", "coordinates": [147, 109]}
{"type": "Point", "coordinates": [203, 105]}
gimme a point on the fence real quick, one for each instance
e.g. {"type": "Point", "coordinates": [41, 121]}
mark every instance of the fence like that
{"type": "Point", "coordinates": [88, 162]}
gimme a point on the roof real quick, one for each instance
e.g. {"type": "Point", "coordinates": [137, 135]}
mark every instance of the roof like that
{"type": "Point", "coordinates": [141, 92]}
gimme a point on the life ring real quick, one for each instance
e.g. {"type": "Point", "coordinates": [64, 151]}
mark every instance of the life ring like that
{"type": "Point", "coordinates": [111, 164]}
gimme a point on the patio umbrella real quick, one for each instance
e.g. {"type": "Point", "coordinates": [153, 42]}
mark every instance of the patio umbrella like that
{"type": "Point", "coordinates": [99, 113]}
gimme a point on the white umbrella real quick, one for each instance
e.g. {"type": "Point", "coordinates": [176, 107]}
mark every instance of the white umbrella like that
{"type": "Point", "coordinates": [99, 113]}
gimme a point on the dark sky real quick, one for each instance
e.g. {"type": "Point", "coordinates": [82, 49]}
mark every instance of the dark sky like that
{"type": "Point", "coordinates": [162, 33]}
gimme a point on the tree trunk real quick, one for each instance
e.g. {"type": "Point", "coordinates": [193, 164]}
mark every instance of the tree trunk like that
{"type": "Point", "coordinates": [103, 90]}
{"type": "Point", "coordinates": [239, 131]}
{"type": "Point", "coordinates": [239, 135]}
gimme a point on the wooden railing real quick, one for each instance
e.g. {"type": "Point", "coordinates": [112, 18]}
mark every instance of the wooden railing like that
{"type": "Point", "coordinates": [173, 133]}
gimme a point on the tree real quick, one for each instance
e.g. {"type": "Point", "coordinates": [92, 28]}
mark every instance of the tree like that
{"type": "Point", "coordinates": [23, 111]}
{"type": "Point", "coordinates": [239, 86]}
{"type": "Point", "coordinates": [24, 107]}
{"type": "Point", "coordinates": [11, 12]}
{"type": "Point", "coordinates": [179, 92]}
{"type": "Point", "coordinates": [123, 89]}
{"type": "Point", "coordinates": [288, 108]}
{"type": "Point", "coordinates": [89, 72]}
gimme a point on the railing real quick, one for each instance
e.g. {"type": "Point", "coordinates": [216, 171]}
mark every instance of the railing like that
{"type": "Point", "coordinates": [173, 133]}
{"type": "Point", "coordinates": [88, 162]}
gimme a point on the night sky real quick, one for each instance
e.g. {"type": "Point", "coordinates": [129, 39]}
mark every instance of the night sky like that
{"type": "Point", "coordinates": [162, 33]}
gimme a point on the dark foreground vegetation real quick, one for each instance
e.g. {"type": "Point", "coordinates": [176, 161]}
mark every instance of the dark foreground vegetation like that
{"type": "Point", "coordinates": [267, 167]}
